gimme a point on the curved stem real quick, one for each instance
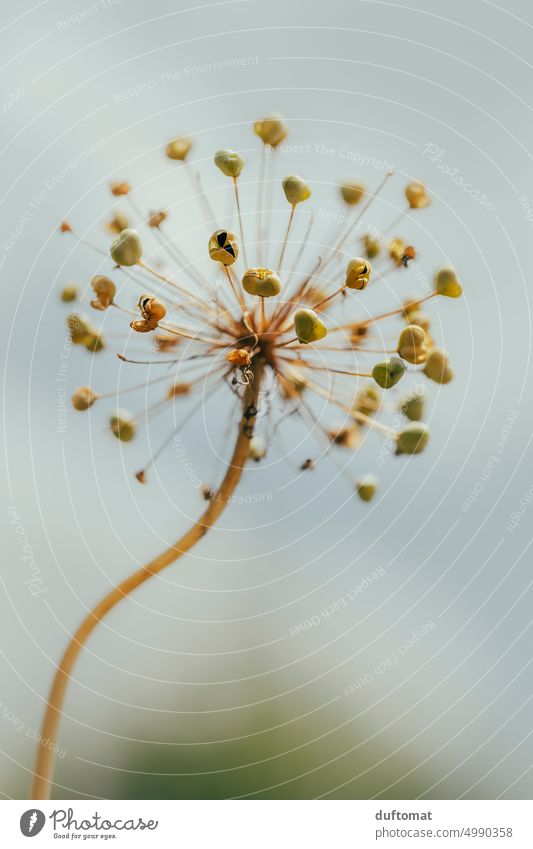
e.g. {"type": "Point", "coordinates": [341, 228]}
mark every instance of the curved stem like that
{"type": "Point", "coordinates": [45, 757]}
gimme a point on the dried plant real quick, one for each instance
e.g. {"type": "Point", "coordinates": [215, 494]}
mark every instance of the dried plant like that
{"type": "Point", "coordinates": [277, 321]}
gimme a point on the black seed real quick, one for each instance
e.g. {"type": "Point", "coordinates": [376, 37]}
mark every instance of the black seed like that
{"type": "Point", "coordinates": [221, 238]}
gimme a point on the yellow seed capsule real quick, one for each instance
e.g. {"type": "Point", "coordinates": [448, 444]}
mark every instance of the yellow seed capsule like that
{"type": "Point", "coordinates": [412, 439]}
{"type": "Point", "coordinates": [230, 162]}
{"type": "Point", "coordinates": [352, 193]}
{"type": "Point", "coordinates": [413, 407]}
{"type": "Point", "coordinates": [366, 487]}
{"type": "Point", "coordinates": [412, 345]}
{"type": "Point", "coordinates": [358, 273]}
{"type": "Point", "coordinates": [152, 310]}
{"type": "Point", "coordinates": [388, 373]}
{"type": "Point", "coordinates": [262, 282]}
{"type": "Point", "coordinates": [69, 293]}
{"type": "Point", "coordinates": [223, 247]}
{"type": "Point", "coordinates": [118, 223]}
{"type": "Point", "coordinates": [83, 398]}
{"type": "Point", "coordinates": [123, 426]}
{"type": "Point", "coordinates": [438, 367]}
{"type": "Point", "coordinates": [271, 130]}
{"type": "Point", "coordinates": [104, 290]}
{"type": "Point", "coordinates": [126, 249]}
{"type": "Point", "coordinates": [400, 253]}
{"type": "Point", "coordinates": [118, 189]}
{"type": "Point", "coordinates": [447, 284]}
{"type": "Point", "coordinates": [296, 189]}
{"type": "Point", "coordinates": [156, 218]}
{"type": "Point", "coordinates": [308, 326]}
{"type": "Point", "coordinates": [178, 149]}
{"type": "Point", "coordinates": [417, 196]}
{"type": "Point", "coordinates": [79, 328]}
{"type": "Point", "coordinates": [371, 245]}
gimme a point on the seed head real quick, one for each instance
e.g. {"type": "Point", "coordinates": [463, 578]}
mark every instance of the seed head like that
{"type": "Point", "coordinates": [104, 290]}
{"type": "Point", "coordinates": [447, 284]}
{"type": "Point", "coordinates": [178, 149]}
{"type": "Point", "coordinates": [388, 373]}
{"type": "Point", "coordinates": [358, 273]}
{"type": "Point", "coordinates": [126, 248]}
{"type": "Point", "coordinates": [229, 162]}
{"type": "Point", "coordinates": [296, 189]}
{"type": "Point", "coordinates": [413, 439]}
{"type": "Point", "coordinates": [223, 247]}
{"type": "Point", "coordinates": [308, 326]}
{"type": "Point", "coordinates": [262, 282]}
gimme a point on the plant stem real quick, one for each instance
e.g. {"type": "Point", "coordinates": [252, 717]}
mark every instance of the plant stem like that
{"type": "Point", "coordinates": [44, 767]}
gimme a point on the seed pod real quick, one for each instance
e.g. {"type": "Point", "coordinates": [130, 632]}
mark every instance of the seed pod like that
{"type": "Point", "coordinates": [388, 373]}
{"type": "Point", "coordinates": [69, 293]}
{"type": "Point", "coordinates": [123, 425]}
{"type": "Point", "coordinates": [156, 218]}
{"type": "Point", "coordinates": [421, 319]}
{"type": "Point", "coordinates": [262, 282]}
{"type": "Point", "coordinates": [447, 284]}
{"type": "Point", "coordinates": [358, 273]}
{"type": "Point", "coordinates": [366, 487]}
{"type": "Point", "coordinates": [152, 310]}
{"type": "Point", "coordinates": [105, 290]}
{"type": "Point", "coordinates": [178, 389]}
{"type": "Point", "coordinates": [438, 367]}
{"type": "Point", "coordinates": [412, 439]}
{"type": "Point", "coordinates": [127, 248]}
{"type": "Point", "coordinates": [296, 190]}
{"type": "Point", "coordinates": [372, 246]}
{"type": "Point", "coordinates": [239, 357]}
{"type": "Point", "coordinates": [352, 193]}
{"type": "Point", "coordinates": [412, 345]}
{"type": "Point", "coordinates": [346, 437]}
{"type": "Point", "coordinates": [223, 247]}
{"type": "Point", "coordinates": [417, 196]}
{"type": "Point", "coordinates": [118, 223]}
{"type": "Point", "coordinates": [271, 130]}
{"type": "Point", "coordinates": [413, 407]}
{"type": "Point", "coordinates": [120, 188]}
{"type": "Point", "coordinates": [257, 448]}
{"type": "Point", "coordinates": [400, 253]}
{"type": "Point", "coordinates": [230, 162]}
{"type": "Point", "coordinates": [79, 328]}
{"type": "Point", "coordinates": [308, 326]}
{"type": "Point", "coordinates": [178, 149]}
{"type": "Point", "coordinates": [166, 341]}
{"type": "Point", "coordinates": [95, 342]}
{"type": "Point", "coordinates": [367, 401]}
{"type": "Point", "coordinates": [83, 398]}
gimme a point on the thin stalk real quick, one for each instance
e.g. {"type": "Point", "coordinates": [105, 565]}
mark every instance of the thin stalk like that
{"type": "Point", "coordinates": [44, 766]}
{"type": "Point", "coordinates": [241, 228]}
{"type": "Point", "coordinates": [284, 245]}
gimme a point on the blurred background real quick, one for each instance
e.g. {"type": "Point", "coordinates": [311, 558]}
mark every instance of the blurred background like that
{"type": "Point", "coordinates": [414, 677]}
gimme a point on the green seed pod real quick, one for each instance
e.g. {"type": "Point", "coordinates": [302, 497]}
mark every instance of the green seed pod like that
{"type": "Point", "coordinates": [388, 373]}
{"type": "Point", "coordinates": [127, 248]}
{"type": "Point", "coordinates": [223, 247]}
{"type": "Point", "coordinates": [367, 401]}
{"type": "Point", "coordinates": [79, 328]}
{"type": "Point", "coordinates": [123, 426]}
{"type": "Point", "coordinates": [296, 190]}
{"type": "Point", "coordinates": [230, 162]}
{"type": "Point", "coordinates": [413, 407]}
{"type": "Point", "coordinates": [366, 487]}
{"type": "Point", "coordinates": [412, 345]}
{"type": "Point", "coordinates": [438, 367]}
{"type": "Point", "coordinates": [179, 148]}
{"type": "Point", "coordinates": [271, 130]}
{"type": "Point", "coordinates": [412, 439]}
{"type": "Point", "coordinates": [262, 282]}
{"type": "Point", "coordinates": [352, 193]}
{"type": "Point", "coordinates": [372, 246]}
{"type": "Point", "coordinates": [83, 398]}
{"type": "Point", "coordinates": [417, 196]}
{"type": "Point", "coordinates": [257, 448]}
{"type": "Point", "coordinates": [447, 284]}
{"type": "Point", "coordinates": [358, 273]}
{"type": "Point", "coordinates": [105, 290]}
{"type": "Point", "coordinates": [308, 326]}
{"type": "Point", "coordinates": [95, 342]}
{"type": "Point", "coordinates": [69, 293]}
